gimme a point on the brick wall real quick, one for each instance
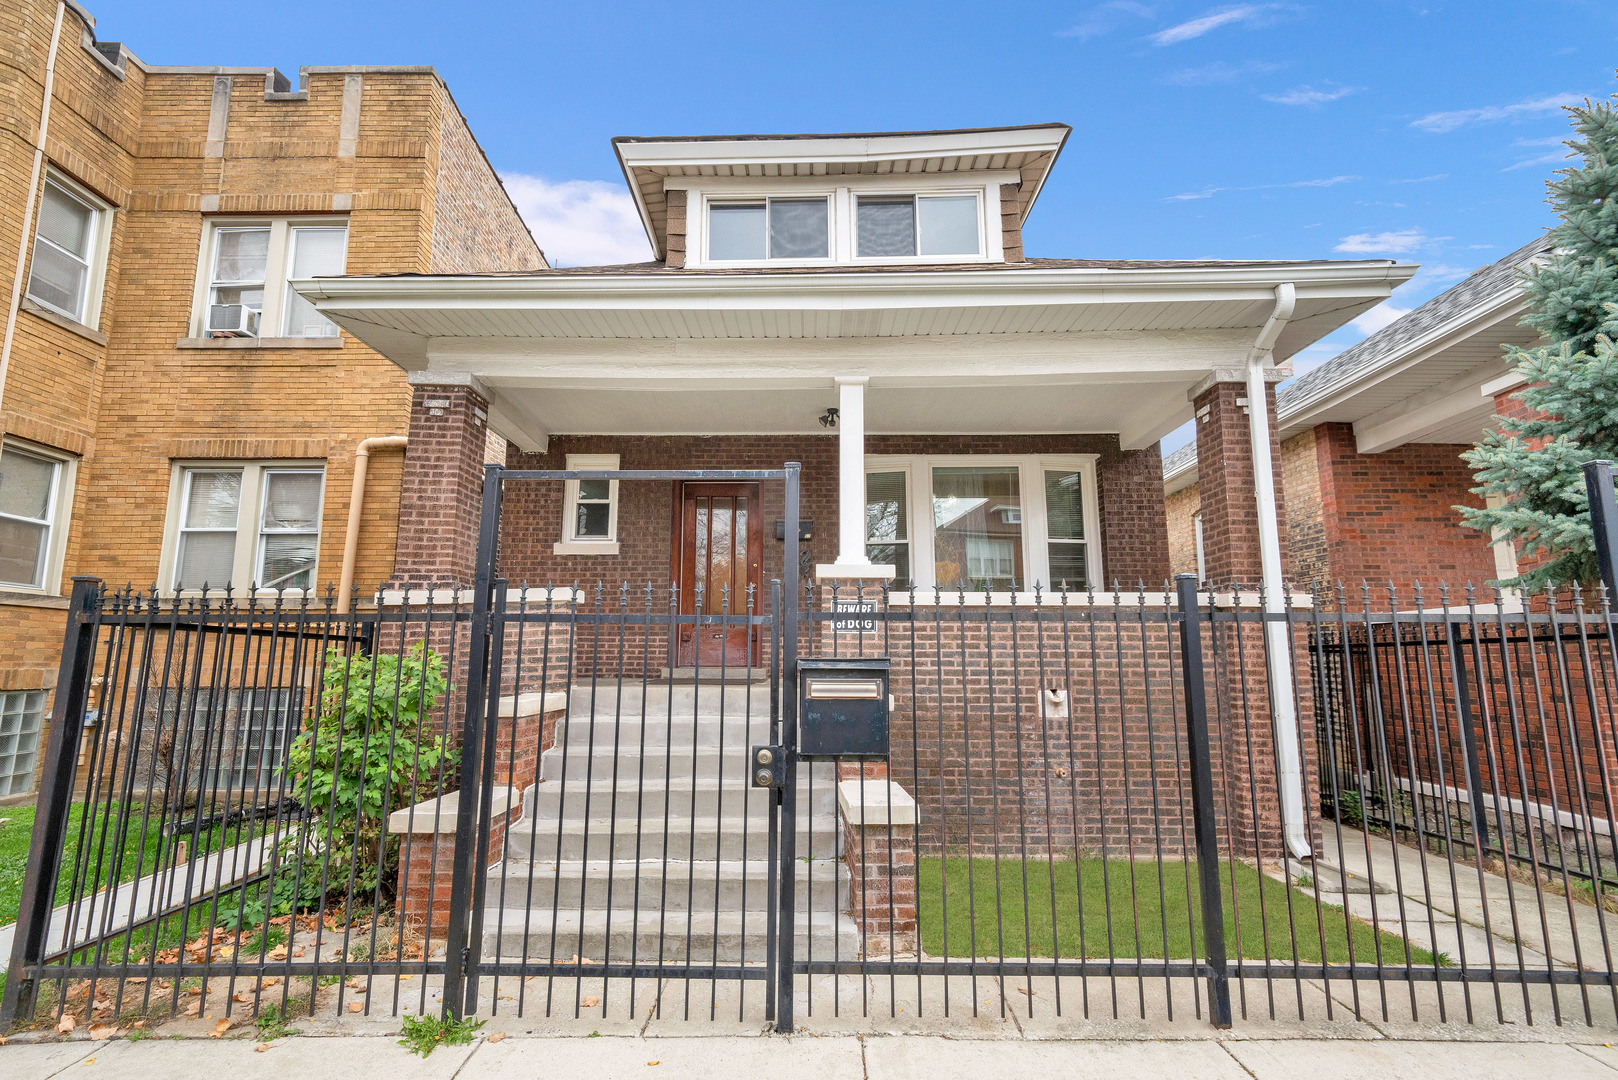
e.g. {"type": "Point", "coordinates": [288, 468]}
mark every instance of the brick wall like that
{"type": "Point", "coordinates": [1180, 511]}
{"type": "Point", "coordinates": [475, 226]}
{"type": "Point", "coordinates": [1225, 482]}
{"type": "Point", "coordinates": [1305, 525]}
{"type": "Point", "coordinates": [441, 505]}
{"type": "Point", "coordinates": [1390, 516]}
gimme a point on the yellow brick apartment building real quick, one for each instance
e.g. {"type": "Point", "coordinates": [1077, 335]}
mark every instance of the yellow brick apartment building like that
{"type": "Point", "coordinates": [172, 413]}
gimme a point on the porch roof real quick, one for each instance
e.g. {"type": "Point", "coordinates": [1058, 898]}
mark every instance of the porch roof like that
{"type": "Point", "coordinates": [1046, 346]}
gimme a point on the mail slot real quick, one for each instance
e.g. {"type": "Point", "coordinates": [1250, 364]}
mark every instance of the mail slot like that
{"type": "Point", "coordinates": [843, 707]}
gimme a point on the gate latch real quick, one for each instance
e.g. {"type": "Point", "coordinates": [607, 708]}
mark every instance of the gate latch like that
{"type": "Point", "coordinates": [769, 767]}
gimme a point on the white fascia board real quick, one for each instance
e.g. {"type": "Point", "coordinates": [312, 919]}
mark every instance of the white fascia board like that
{"type": "Point", "coordinates": [865, 290]}
{"type": "Point", "coordinates": [852, 149]}
{"type": "Point", "coordinates": [1180, 478]}
{"type": "Point", "coordinates": [1293, 417]}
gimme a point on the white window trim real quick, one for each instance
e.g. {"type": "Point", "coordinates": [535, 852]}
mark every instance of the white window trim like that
{"type": "Point", "coordinates": [100, 234]}
{"type": "Point", "coordinates": [244, 567]}
{"type": "Point", "coordinates": [904, 260]}
{"type": "Point", "coordinates": [293, 228]}
{"type": "Point", "coordinates": [272, 317]}
{"type": "Point", "coordinates": [59, 514]}
{"type": "Point", "coordinates": [1031, 479]}
{"type": "Point", "coordinates": [700, 192]}
{"type": "Point", "coordinates": [828, 194]}
{"type": "Point", "coordinates": [571, 544]}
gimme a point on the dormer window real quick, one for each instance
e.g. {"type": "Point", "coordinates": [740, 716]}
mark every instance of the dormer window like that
{"type": "Point", "coordinates": [752, 230]}
{"type": "Point", "coordinates": [889, 226]}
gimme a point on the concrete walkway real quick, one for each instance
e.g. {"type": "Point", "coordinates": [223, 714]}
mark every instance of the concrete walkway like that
{"type": "Point", "coordinates": [806, 1057]}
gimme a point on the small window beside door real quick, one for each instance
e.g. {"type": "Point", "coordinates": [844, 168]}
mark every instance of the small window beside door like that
{"type": "Point", "coordinates": [590, 508]}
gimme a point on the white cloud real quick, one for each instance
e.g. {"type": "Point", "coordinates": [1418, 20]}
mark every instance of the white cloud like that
{"type": "Point", "coordinates": [1562, 153]}
{"type": "Point", "coordinates": [1308, 95]}
{"type": "Point", "coordinates": [1105, 18]}
{"type": "Point", "coordinates": [580, 222]}
{"type": "Point", "coordinates": [1210, 192]}
{"type": "Point", "coordinates": [1440, 122]}
{"type": "Point", "coordinates": [1220, 72]}
{"type": "Point", "coordinates": [1213, 20]}
{"type": "Point", "coordinates": [1422, 179]}
{"type": "Point", "coordinates": [1377, 318]}
{"type": "Point", "coordinates": [1400, 242]}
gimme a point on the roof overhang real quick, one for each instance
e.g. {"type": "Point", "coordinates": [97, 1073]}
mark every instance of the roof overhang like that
{"type": "Point", "coordinates": [649, 162]}
{"type": "Point", "coordinates": [960, 351]}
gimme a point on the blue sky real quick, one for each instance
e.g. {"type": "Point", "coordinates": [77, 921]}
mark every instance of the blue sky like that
{"type": "Point", "coordinates": [1371, 128]}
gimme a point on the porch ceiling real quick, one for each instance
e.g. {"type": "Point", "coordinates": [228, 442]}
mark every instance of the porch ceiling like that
{"type": "Point", "coordinates": [1092, 349]}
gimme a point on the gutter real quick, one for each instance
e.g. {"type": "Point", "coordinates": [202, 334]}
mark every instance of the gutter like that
{"type": "Point", "coordinates": [356, 500]}
{"type": "Point", "coordinates": [1283, 714]}
{"type": "Point", "coordinates": [33, 197]}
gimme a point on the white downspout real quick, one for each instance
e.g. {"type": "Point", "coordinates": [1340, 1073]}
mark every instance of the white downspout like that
{"type": "Point", "coordinates": [33, 196]}
{"type": "Point", "coordinates": [1288, 757]}
{"type": "Point", "coordinates": [356, 500]}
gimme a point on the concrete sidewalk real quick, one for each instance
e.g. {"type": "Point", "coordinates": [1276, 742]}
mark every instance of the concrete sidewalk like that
{"type": "Point", "coordinates": [818, 1057]}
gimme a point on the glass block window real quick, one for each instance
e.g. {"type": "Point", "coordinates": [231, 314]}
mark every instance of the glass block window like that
{"type": "Point", "coordinates": [22, 722]}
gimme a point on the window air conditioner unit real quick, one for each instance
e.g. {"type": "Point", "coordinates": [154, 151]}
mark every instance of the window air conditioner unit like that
{"type": "Point", "coordinates": [232, 320]}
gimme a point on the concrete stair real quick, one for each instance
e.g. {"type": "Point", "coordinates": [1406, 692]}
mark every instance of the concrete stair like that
{"type": "Point", "coordinates": [645, 838]}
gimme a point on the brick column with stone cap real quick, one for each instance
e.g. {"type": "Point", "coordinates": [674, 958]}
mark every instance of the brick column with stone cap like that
{"type": "Point", "coordinates": [879, 844]}
{"type": "Point", "coordinates": [441, 496]}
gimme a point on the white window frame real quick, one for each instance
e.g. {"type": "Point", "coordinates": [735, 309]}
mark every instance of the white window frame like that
{"type": "Point", "coordinates": [915, 196]}
{"type": "Point", "coordinates": [294, 229]}
{"type": "Point", "coordinates": [56, 522]}
{"type": "Point", "coordinates": [277, 266]}
{"type": "Point", "coordinates": [768, 197]}
{"type": "Point", "coordinates": [1196, 531]}
{"type": "Point", "coordinates": [249, 525]}
{"type": "Point", "coordinates": [95, 276]}
{"type": "Point", "coordinates": [918, 470]}
{"type": "Point", "coordinates": [571, 543]}
{"type": "Point", "coordinates": [703, 191]}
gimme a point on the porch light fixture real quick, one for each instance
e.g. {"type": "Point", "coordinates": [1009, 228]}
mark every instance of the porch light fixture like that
{"type": "Point", "coordinates": [828, 419]}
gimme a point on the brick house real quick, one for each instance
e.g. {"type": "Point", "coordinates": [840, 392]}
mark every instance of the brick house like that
{"type": "Point", "coordinates": [172, 412]}
{"type": "Point", "coordinates": [1370, 446]}
{"type": "Point", "coordinates": [969, 418]}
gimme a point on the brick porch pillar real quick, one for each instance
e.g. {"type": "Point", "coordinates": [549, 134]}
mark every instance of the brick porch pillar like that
{"type": "Point", "coordinates": [441, 500]}
{"type": "Point", "coordinates": [879, 843]}
{"type": "Point", "coordinates": [1237, 675]}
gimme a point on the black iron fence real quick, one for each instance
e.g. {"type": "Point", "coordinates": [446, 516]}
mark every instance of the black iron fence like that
{"type": "Point", "coordinates": [1221, 803]}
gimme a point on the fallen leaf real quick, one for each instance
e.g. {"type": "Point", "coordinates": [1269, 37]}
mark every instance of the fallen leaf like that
{"type": "Point", "coordinates": [2, 1040]}
{"type": "Point", "coordinates": [1030, 993]}
{"type": "Point", "coordinates": [654, 1063]}
{"type": "Point", "coordinates": [243, 997]}
{"type": "Point", "coordinates": [101, 1032]}
{"type": "Point", "coordinates": [265, 984]}
{"type": "Point", "coordinates": [497, 1036]}
{"type": "Point", "coordinates": [295, 952]}
{"type": "Point", "coordinates": [355, 1006]}
{"type": "Point", "coordinates": [138, 1024]}
{"type": "Point", "coordinates": [194, 1008]}
{"type": "Point", "coordinates": [590, 1001]}
{"type": "Point", "coordinates": [223, 1024]}
{"type": "Point", "coordinates": [260, 1048]}
{"type": "Point", "coordinates": [89, 1061]}
{"type": "Point", "coordinates": [66, 1023]}
{"type": "Point", "coordinates": [356, 984]}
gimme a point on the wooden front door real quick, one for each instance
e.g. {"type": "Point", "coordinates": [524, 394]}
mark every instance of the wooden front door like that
{"type": "Point", "coordinates": [719, 552]}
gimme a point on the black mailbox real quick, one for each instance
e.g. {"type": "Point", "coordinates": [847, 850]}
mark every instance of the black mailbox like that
{"type": "Point", "coordinates": [843, 707]}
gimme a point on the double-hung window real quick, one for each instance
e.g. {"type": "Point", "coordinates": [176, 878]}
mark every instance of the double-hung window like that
{"type": "Point", "coordinates": [248, 269]}
{"type": "Point", "coordinates": [69, 238]}
{"type": "Point", "coordinates": [590, 508]}
{"type": "Point", "coordinates": [983, 524]}
{"type": "Point", "coordinates": [252, 523]}
{"type": "Point", "coordinates": [33, 490]}
{"type": "Point", "coordinates": [896, 226]}
{"type": "Point", "coordinates": [752, 230]}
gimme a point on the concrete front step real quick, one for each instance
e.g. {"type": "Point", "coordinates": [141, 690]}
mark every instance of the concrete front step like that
{"type": "Point", "coordinates": [617, 936]}
{"type": "Point", "coordinates": [610, 698]}
{"type": "Point", "coordinates": [681, 733]}
{"type": "Point", "coordinates": [652, 884]}
{"type": "Point", "coordinates": [654, 762]}
{"type": "Point", "coordinates": [685, 796]}
{"type": "Point", "coordinates": [731, 837]}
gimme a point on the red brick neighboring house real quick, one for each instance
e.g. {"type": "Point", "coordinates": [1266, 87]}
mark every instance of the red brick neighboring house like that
{"type": "Point", "coordinates": [1371, 442]}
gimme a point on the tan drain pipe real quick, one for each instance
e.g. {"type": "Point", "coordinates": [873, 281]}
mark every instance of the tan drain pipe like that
{"type": "Point", "coordinates": [356, 501]}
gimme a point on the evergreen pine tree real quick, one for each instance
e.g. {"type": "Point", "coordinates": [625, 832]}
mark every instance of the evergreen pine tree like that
{"type": "Point", "coordinates": [1571, 383]}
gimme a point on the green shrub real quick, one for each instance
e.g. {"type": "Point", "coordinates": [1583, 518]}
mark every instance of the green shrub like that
{"type": "Point", "coordinates": [370, 752]}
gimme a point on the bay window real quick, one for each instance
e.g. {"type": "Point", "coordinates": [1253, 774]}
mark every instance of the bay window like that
{"type": "Point", "coordinates": [988, 524]}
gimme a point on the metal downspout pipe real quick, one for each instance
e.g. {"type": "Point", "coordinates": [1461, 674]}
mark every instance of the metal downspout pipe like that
{"type": "Point", "coordinates": [33, 197]}
{"type": "Point", "coordinates": [1283, 713]}
{"type": "Point", "coordinates": [356, 501]}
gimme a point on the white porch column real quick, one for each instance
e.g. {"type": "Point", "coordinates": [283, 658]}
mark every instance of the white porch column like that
{"type": "Point", "coordinates": [852, 561]}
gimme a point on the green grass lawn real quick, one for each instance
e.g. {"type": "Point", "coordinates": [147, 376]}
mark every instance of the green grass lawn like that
{"type": "Point", "coordinates": [132, 859]}
{"type": "Point", "coordinates": [997, 915]}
